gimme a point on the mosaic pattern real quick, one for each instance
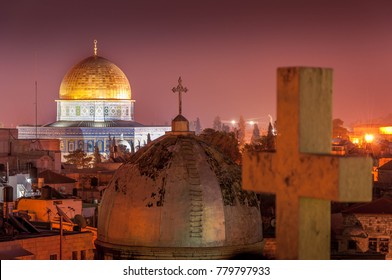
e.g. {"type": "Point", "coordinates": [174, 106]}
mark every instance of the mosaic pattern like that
{"type": "Point", "coordinates": [86, 110]}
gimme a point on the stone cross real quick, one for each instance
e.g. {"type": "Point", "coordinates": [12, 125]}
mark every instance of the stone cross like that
{"type": "Point", "coordinates": [180, 89]}
{"type": "Point", "coordinates": [302, 173]}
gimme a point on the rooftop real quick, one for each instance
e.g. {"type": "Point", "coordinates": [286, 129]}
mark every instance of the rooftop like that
{"type": "Point", "coordinates": [380, 206]}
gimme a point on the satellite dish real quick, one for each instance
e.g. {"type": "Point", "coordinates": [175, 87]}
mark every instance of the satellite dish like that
{"type": "Point", "coordinates": [80, 221]}
{"type": "Point", "coordinates": [61, 213]}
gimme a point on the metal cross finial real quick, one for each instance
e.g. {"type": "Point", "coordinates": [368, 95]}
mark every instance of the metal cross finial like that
{"type": "Point", "coordinates": [95, 47]}
{"type": "Point", "coordinates": [180, 89]}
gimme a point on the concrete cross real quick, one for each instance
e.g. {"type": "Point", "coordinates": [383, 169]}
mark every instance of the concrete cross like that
{"type": "Point", "coordinates": [180, 89]}
{"type": "Point", "coordinates": [302, 173]}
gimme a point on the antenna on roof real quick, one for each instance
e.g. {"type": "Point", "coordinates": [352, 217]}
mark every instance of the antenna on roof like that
{"type": "Point", "coordinates": [36, 110]}
{"type": "Point", "coordinates": [63, 216]}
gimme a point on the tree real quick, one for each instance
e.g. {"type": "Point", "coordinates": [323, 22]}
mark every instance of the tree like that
{"type": "Point", "coordinates": [225, 128]}
{"type": "Point", "coordinates": [225, 142]}
{"type": "Point", "coordinates": [266, 143]}
{"type": "Point", "coordinates": [197, 126]}
{"type": "Point", "coordinates": [113, 147]}
{"type": "Point", "coordinates": [241, 131]}
{"type": "Point", "coordinates": [79, 158]}
{"type": "Point", "coordinates": [255, 140]}
{"type": "Point", "coordinates": [338, 131]}
{"type": "Point", "coordinates": [217, 124]}
{"type": "Point", "coordinates": [97, 155]}
{"type": "Point", "coordinates": [270, 143]}
{"type": "Point", "coordinates": [148, 138]}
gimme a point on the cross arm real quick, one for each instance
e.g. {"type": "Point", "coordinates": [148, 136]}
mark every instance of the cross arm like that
{"type": "Point", "coordinates": [308, 175]}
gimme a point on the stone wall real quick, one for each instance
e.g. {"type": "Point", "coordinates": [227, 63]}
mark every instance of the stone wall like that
{"type": "Point", "coordinates": [112, 252]}
{"type": "Point", "coordinates": [6, 135]}
{"type": "Point", "coordinates": [75, 246]}
{"type": "Point", "coordinates": [385, 176]}
{"type": "Point", "coordinates": [370, 233]}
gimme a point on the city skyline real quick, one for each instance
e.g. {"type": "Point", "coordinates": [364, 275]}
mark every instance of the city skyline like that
{"type": "Point", "coordinates": [226, 52]}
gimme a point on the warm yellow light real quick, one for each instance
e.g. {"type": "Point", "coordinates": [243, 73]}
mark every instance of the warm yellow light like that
{"type": "Point", "coordinates": [251, 122]}
{"type": "Point", "coordinates": [386, 130]}
{"type": "Point", "coordinates": [355, 141]}
{"type": "Point", "coordinates": [233, 122]}
{"type": "Point", "coordinates": [369, 138]}
{"type": "Point", "coordinates": [95, 78]}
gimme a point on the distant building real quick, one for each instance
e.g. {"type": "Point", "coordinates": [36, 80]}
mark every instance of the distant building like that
{"type": "Point", "coordinates": [385, 172]}
{"type": "Point", "coordinates": [374, 138]}
{"type": "Point", "coordinates": [21, 155]}
{"type": "Point", "coordinates": [45, 245]}
{"type": "Point", "coordinates": [60, 183]}
{"type": "Point", "coordinates": [43, 208]}
{"type": "Point", "coordinates": [6, 137]}
{"type": "Point", "coordinates": [21, 160]}
{"type": "Point", "coordinates": [95, 102]}
{"type": "Point", "coordinates": [364, 228]}
{"type": "Point", "coordinates": [91, 182]}
{"type": "Point", "coordinates": [26, 233]}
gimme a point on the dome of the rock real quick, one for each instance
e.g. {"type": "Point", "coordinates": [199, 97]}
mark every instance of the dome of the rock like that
{"type": "Point", "coordinates": [95, 78]}
{"type": "Point", "coordinates": [178, 198]}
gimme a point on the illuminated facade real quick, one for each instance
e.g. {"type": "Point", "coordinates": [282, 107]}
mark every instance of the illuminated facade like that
{"type": "Point", "coordinates": [95, 90]}
{"type": "Point", "coordinates": [369, 133]}
{"type": "Point", "coordinates": [95, 103]}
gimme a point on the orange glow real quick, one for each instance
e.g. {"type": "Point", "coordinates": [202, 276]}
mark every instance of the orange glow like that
{"type": "Point", "coordinates": [386, 130]}
{"type": "Point", "coordinates": [95, 78]}
{"type": "Point", "coordinates": [369, 138]}
{"type": "Point", "coordinates": [355, 141]}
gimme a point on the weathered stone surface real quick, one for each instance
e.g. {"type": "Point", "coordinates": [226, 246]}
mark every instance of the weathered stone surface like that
{"type": "Point", "coordinates": [177, 192]}
{"type": "Point", "coordinates": [302, 173]}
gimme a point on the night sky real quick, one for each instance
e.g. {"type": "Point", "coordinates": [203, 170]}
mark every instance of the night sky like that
{"type": "Point", "coordinates": [227, 53]}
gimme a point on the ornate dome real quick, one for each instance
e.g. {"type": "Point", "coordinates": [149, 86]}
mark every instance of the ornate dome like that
{"type": "Point", "coordinates": [95, 78]}
{"type": "Point", "coordinates": [178, 197]}
{"type": "Point", "coordinates": [123, 144]}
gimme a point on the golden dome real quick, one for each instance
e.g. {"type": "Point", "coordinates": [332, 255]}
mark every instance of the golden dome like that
{"type": "Point", "coordinates": [95, 78]}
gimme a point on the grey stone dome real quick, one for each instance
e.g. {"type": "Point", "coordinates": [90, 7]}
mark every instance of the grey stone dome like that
{"type": "Point", "coordinates": [178, 198]}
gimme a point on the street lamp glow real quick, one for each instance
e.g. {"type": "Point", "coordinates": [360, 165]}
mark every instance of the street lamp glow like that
{"type": "Point", "coordinates": [233, 122]}
{"type": "Point", "coordinates": [369, 138]}
{"type": "Point", "coordinates": [251, 122]}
